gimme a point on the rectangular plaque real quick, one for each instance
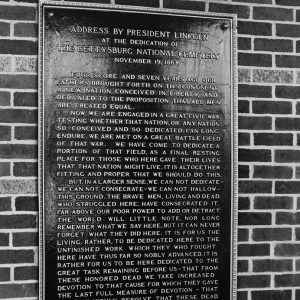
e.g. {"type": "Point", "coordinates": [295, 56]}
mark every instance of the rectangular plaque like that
{"type": "Point", "coordinates": [137, 154]}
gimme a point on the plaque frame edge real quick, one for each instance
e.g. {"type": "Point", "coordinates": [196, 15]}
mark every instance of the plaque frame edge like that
{"type": "Point", "coordinates": [234, 120]}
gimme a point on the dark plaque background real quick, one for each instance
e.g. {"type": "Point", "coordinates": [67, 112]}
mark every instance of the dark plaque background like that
{"type": "Point", "coordinates": [137, 155]}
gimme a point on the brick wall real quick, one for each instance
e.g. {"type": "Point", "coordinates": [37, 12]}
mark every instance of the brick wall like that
{"type": "Point", "coordinates": [269, 124]}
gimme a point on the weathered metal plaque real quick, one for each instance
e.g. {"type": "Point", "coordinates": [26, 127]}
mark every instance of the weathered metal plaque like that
{"type": "Point", "coordinates": [137, 154]}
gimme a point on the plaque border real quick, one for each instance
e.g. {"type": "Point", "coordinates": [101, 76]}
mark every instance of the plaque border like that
{"type": "Point", "coordinates": [234, 121]}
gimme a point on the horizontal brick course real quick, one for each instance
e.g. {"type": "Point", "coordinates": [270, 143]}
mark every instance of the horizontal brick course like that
{"type": "Point", "coordinates": [287, 218]}
{"type": "Point", "coordinates": [25, 239]}
{"type": "Point", "coordinates": [287, 156]}
{"type": "Point", "coordinates": [18, 81]}
{"type": "Point", "coordinates": [272, 234]}
{"type": "Point", "coordinates": [182, 4]}
{"type": "Point", "coordinates": [17, 221]}
{"type": "Point", "coordinates": [288, 30]}
{"type": "Point", "coordinates": [254, 155]}
{"type": "Point", "coordinates": [18, 116]}
{"type": "Point", "coordinates": [270, 107]}
{"type": "Point", "coordinates": [273, 172]}
{"type": "Point", "coordinates": [245, 90]}
{"type": "Point", "coordinates": [272, 295]}
{"type": "Point", "coordinates": [25, 99]}
{"type": "Point", "coordinates": [287, 280]}
{"type": "Point", "coordinates": [22, 186]}
{"type": "Point", "coordinates": [289, 124]}
{"type": "Point", "coordinates": [18, 151]}
{"type": "Point", "coordinates": [25, 30]}
{"type": "Point", "coordinates": [254, 187]}
{"type": "Point", "coordinates": [287, 249]}
{"type": "Point", "coordinates": [16, 257]}
{"type": "Point", "coordinates": [273, 139]}
{"type": "Point", "coordinates": [254, 28]}
{"type": "Point", "coordinates": [258, 60]}
{"type": "Point", "coordinates": [242, 11]}
{"type": "Point", "coordinates": [273, 202]}
{"type": "Point", "coordinates": [26, 133]}
{"type": "Point", "coordinates": [23, 169]}
{"type": "Point", "coordinates": [251, 218]}
{"type": "Point", "coordinates": [273, 13]}
{"type": "Point", "coordinates": [26, 273]}
{"type": "Point", "coordinates": [147, 3]}
{"type": "Point", "coordinates": [26, 203]}
{"type": "Point", "coordinates": [17, 13]}
{"type": "Point", "coordinates": [272, 76]}
{"type": "Point", "coordinates": [254, 281]}
{"type": "Point", "coordinates": [255, 123]}
{"type": "Point", "coordinates": [19, 290]}
{"type": "Point", "coordinates": [253, 250]}
{"type": "Point", "coordinates": [287, 187]}
{"type": "Point", "coordinates": [272, 265]}
{"type": "Point", "coordinates": [288, 92]}
{"type": "Point", "coordinates": [18, 47]}
{"type": "Point", "coordinates": [287, 61]}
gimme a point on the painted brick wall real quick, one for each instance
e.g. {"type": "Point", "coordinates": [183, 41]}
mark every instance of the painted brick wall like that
{"type": "Point", "coordinates": [269, 139]}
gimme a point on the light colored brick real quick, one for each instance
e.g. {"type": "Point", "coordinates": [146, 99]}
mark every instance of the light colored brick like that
{"type": "Point", "coordinates": [5, 64]}
{"type": "Point", "coordinates": [272, 76]}
{"type": "Point", "coordinates": [26, 64]}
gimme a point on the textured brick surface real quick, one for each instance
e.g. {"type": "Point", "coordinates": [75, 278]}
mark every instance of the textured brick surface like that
{"type": "Point", "coordinates": [269, 93]}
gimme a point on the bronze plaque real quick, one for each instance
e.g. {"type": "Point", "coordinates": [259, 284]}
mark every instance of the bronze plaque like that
{"type": "Point", "coordinates": [137, 154]}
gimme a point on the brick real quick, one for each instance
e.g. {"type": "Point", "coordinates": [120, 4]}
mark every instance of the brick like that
{"type": "Point", "coordinates": [23, 169]}
{"type": "Point", "coordinates": [287, 2]}
{"type": "Point", "coordinates": [4, 29]}
{"type": "Point", "coordinates": [273, 45]}
{"type": "Point", "coordinates": [254, 155]}
{"type": "Point", "coordinates": [249, 218]}
{"type": "Point", "coordinates": [25, 99]}
{"type": "Point", "coordinates": [255, 28]}
{"type": "Point", "coordinates": [254, 281]}
{"type": "Point", "coordinates": [242, 266]}
{"type": "Point", "coordinates": [271, 234]}
{"type": "Point", "coordinates": [272, 76]}
{"type": "Point", "coordinates": [4, 98]}
{"type": "Point", "coordinates": [272, 13]}
{"type": "Point", "coordinates": [147, 3]}
{"type": "Point", "coordinates": [288, 92]}
{"type": "Point", "coordinates": [4, 169]}
{"type": "Point", "coordinates": [287, 124]}
{"type": "Point", "coordinates": [243, 106]}
{"type": "Point", "coordinates": [287, 280]}
{"type": "Point", "coordinates": [297, 234]}
{"type": "Point", "coordinates": [4, 274]}
{"type": "Point", "coordinates": [25, 239]}
{"type": "Point", "coordinates": [244, 43]}
{"type": "Point", "coordinates": [26, 64]}
{"type": "Point", "coordinates": [242, 11]}
{"type": "Point", "coordinates": [242, 295]}
{"type": "Point", "coordinates": [297, 46]}
{"type": "Point", "coordinates": [35, 1]}
{"type": "Point", "coordinates": [17, 221]}
{"type": "Point", "coordinates": [255, 187]}
{"type": "Point", "coordinates": [243, 235]}
{"type": "Point", "coordinates": [273, 139]}
{"type": "Point", "coordinates": [16, 257]}
{"type": "Point", "coordinates": [18, 151]}
{"type": "Point", "coordinates": [273, 172]}
{"type": "Point", "coordinates": [26, 273]}
{"type": "Point", "coordinates": [243, 171]}
{"type": "Point", "coordinates": [5, 204]}
{"type": "Point", "coordinates": [188, 5]}
{"type": "Point", "coordinates": [254, 123]}
{"type": "Point", "coordinates": [5, 64]}
{"type": "Point", "coordinates": [288, 30]}
{"type": "Point", "coordinates": [18, 81]}
{"type": "Point", "coordinates": [287, 156]}
{"type": "Point", "coordinates": [298, 266]}
{"type": "Point", "coordinates": [244, 139]}
{"type": "Point", "coordinates": [18, 116]}
{"type": "Point", "coordinates": [244, 203]}
{"type": "Point", "coordinates": [287, 249]}
{"type": "Point", "coordinates": [271, 295]}
{"type": "Point", "coordinates": [256, 91]}
{"type": "Point", "coordinates": [17, 13]}
{"type": "Point", "coordinates": [26, 133]}
{"type": "Point", "coordinates": [258, 60]}
{"type": "Point", "coordinates": [26, 203]}
{"type": "Point", "coordinates": [10, 186]}
{"type": "Point", "coordinates": [4, 239]}
{"type": "Point", "coordinates": [18, 47]}
{"type": "Point", "coordinates": [298, 108]}
{"type": "Point", "coordinates": [26, 30]}
{"type": "Point", "coordinates": [19, 290]}
{"type": "Point", "coordinates": [255, 1]}
{"type": "Point", "coordinates": [271, 107]}
{"type": "Point", "coordinates": [298, 168]}
{"type": "Point", "coordinates": [273, 202]}
{"type": "Point", "coordinates": [288, 218]}
{"type": "Point", "coordinates": [5, 133]}
{"type": "Point", "coordinates": [287, 187]}
{"type": "Point", "coordinates": [244, 75]}
{"type": "Point", "coordinates": [272, 265]}
{"type": "Point", "coordinates": [287, 61]}
{"type": "Point", "coordinates": [253, 250]}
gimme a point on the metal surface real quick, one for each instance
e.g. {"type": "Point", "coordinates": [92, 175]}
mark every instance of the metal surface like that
{"type": "Point", "coordinates": [137, 153]}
